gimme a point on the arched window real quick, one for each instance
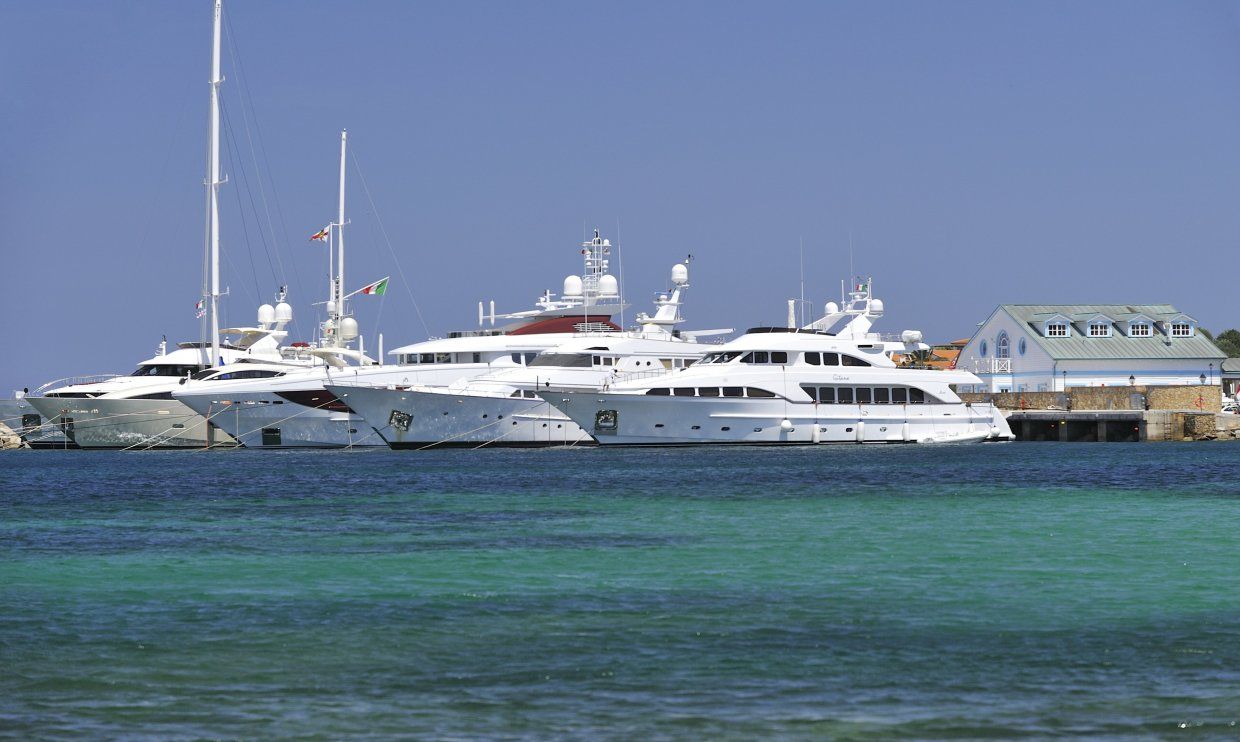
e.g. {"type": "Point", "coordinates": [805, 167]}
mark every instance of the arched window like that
{"type": "Point", "coordinates": [1003, 346]}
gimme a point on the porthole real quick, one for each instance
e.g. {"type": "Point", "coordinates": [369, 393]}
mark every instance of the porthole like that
{"type": "Point", "coordinates": [726, 427]}
{"type": "Point", "coordinates": [696, 427]}
{"type": "Point", "coordinates": [658, 425]}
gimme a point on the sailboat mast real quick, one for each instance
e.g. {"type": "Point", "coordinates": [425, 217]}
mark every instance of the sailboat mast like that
{"type": "Point", "coordinates": [213, 184]}
{"type": "Point", "coordinates": [344, 135]}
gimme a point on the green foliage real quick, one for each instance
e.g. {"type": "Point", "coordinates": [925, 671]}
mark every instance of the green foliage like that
{"type": "Point", "coordinates": [1228, 341]}
{"type": "Point", "coordinates": [1209, 335]}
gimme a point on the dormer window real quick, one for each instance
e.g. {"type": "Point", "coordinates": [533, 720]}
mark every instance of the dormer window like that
{"type": "Point", "coordinates": [1057, 330]}
{"type": "Point", "coordinates": [1181, 330]}
{"type": "Point", "coordinates": [1099, 330]}
{"type": "Point", "coordinates": [1140, 330]}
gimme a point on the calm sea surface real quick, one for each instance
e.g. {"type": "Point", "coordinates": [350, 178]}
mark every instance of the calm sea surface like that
{"type": "Point", "coordinates": [997, 590]}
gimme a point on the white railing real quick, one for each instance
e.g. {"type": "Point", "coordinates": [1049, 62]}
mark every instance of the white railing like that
{"type": "Point", "coordinates": [992, 365]}
{"type": "Point", "coordinates": [73, 380]}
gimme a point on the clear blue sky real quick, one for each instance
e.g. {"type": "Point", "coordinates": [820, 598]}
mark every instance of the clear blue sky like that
{"type": "Point", "coordinates": [978, 153]}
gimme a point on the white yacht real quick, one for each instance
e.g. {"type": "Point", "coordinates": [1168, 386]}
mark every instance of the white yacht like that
{"type": "Point", "coordinates": [138, 410]}
{"type": "Point", "coordinates": [297, 410]}
{"type": "Point", "coordinates": [502, 409]}
{"type": "Point", "coordinates": [789, 385]}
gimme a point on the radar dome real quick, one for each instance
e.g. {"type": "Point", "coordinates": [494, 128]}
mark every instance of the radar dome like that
{"type": "Point", "coordinates": [832, 307]}
{"type": "Point", "coordinates": [911, 336]}
{"type": "Point", "coordinates": [284, 312]}
{"type": "Point", "coordinates": [680, 274]}
{"type": "Point", "coordinates": [572, 286]}
{"type": "Point", "coordinates": [876, 306]}
{"type": "Point", "coordinates": [331, 306]}
{"type": "Point", "coordinates": [608, 285]}
{"type": "Point", "coordinates": [348, 328]}
{"type": "Point", "coordinates": [266, 315]}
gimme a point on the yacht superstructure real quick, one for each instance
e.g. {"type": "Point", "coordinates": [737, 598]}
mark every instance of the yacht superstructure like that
{"type": "Point", "coordinates": [501, 408]}
{"type": "Point", "coordinates": [298, 410]}
{"type": "Point", "coordinates": [788, 385]}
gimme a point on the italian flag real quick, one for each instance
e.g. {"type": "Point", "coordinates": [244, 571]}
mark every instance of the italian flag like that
{"type": "Point", "coordinates": [378, 288]}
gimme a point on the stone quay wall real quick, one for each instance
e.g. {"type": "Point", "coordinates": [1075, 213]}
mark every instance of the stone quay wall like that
{"type": "Point", "coordinates": [1196, 397]}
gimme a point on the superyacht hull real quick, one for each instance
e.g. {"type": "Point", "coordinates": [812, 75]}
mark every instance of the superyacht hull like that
{"type": "Point", "coordinates": [634, 420]}
{"type": "Point", "coordinates": [130, 423]}
{"type": "Point", "coordinates": [407, 419]}
{"type": "Point", "coordinates": [264, 419]}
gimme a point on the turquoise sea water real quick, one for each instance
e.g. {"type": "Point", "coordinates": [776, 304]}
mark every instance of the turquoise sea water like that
{"type": "Point", "coordinates": [988, 591]}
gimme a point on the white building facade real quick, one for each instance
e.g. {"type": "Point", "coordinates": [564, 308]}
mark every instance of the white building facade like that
{"type": "Point", "coordinates": [1053, 347]}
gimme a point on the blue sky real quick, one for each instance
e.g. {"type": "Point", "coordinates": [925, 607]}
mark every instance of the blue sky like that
{"type": "Point", "coordinates": [976, 152]}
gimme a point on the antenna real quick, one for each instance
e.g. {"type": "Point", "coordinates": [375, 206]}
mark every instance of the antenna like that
{"type": "Point", "coordinates": [851, 271]}
{"type": "Point", "coordinates": [620, 260]}
{"type": "Point", "coordinates": [801, 306]}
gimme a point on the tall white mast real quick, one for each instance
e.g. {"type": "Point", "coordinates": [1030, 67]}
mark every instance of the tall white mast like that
{"type": "Point", "coordinates": [344, 136]}
{"type": "Point", "coordinates": [213, 184]}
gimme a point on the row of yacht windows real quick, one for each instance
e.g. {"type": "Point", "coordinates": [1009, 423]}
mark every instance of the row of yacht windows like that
{"type": "Point", "coordinates": [867, 394]}
{"type": "Point", "coordinates": [709, 391]}
{"type": "Point", "coordinates": [780, 357]}
{"type": "Point", "coordinates": [166, 369]}
{"type": "Point", "coordinates": [417, 358]}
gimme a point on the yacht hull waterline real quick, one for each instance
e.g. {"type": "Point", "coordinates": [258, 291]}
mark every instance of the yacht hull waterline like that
{"type": "Point", "coordinates": [633, 420]}
{"type": "Point", "coordinates": [409, 419]}
{"type": "Point", "coordinates": [131, 423]}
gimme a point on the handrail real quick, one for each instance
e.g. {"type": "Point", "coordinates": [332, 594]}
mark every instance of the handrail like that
{"type": "Point", "coordinates": [74, 380]}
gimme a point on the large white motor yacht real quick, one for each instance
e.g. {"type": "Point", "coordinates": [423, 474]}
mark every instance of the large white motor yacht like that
{"type": "Point", "coordinates": [789, 385]}
{"type": "Point", "coordinates": [502, 409]}
{"type": "Point", "coordinates": [297, 410]}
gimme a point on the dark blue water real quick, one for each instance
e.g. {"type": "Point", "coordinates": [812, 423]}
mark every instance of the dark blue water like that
{"type": "Point", "coordinates": [979, 591]}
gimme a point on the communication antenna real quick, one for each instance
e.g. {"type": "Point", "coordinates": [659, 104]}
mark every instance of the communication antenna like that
{"type": "Point", "coordinates": [801, 306]}
{"type": "Point", "coordinates": [620, 261]}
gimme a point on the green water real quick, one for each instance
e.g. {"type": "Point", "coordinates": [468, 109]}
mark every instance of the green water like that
{"type": "Point", "coordinates": [981, 591]}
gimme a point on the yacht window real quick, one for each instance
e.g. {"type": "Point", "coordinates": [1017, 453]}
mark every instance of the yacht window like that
{"type": "Point", "coordinates": [252, 373]}
{"type": "Point", "coordinates": [596, 361]}
{"type": "Point", "coordinates": [659, 391]}
{"type": "Point", "coordinates": [830, 359]}
{"type": "Point", "coordinates": [564, 360]}
{"type": "Point", "coordinates": [882, 395]}
{"type": "Point", "coordinates": [722, 357]}
{"type": "Point", "coordinates": [813, 358]}
{"type": "Point", "coordinates": [779, 356]}
{"type": "Point", "coordinates": [165, 369]}
{"type": "Point", "coordinates": [477, 358]}
{"type": "Point", "coordinates": [863, 395]}
{"type": "Point", "coordinates": [761, 356]}
{"type": "Point", "coordinates": [854, 361]}
{"type": "Point", "coordinates": [516, 393]}
{"type": "Point", "coordinates": [753, 391]}
{"type": "Point", "coordinates": [516, 358]}
{"type": "Point", "coordinates": [443, 358]}
{"type": "Point", "coordinates": [683, 391]}
{"type": "Point", "coordinates": [426, 358]}
{"type": "Point", "coordinates": [844, 395]}
{"type": "Point", "coordinates": [733, 391]}
{"type": "Point", "coordinates": [826, 395]}
{"type": "Point", "coordinates": [812, 391]}
{"type": "Point", "coordinates": [916, 396]}
{"type": "Point", "coordinates": [899, 395]}
{"type": "Point", "coordinates": [708, 391]}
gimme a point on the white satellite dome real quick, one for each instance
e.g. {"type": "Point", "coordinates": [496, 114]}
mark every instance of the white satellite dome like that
{"type": "Point", "coordinates": [348, 328]}
{"type": "Point", "coordinates": [911, 336]}
{"type": "Point", "coordinates": [330, 307]}
{"type": "Point", "coordinates": [608, 285]}
{"type": "Point", "coordinates": [832, 307]}
{"type": "Point", "coordinates": [572, 286]}
{"type": "Point", "coordinates": [680, 274]}
{"type": "Point", "coordinates": [876, 306]}
{"type": "Point", "coordinates": [266, 315]}
{"type": "Point", "coordinates": [284, 312]}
